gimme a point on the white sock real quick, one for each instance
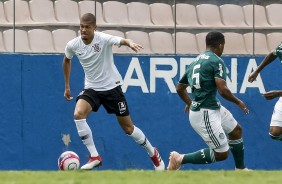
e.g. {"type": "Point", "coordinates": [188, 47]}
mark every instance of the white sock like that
{"type": "Point", "coordinates": [141, 139]}
{"type": "Point", "coordinates": [85, 134]}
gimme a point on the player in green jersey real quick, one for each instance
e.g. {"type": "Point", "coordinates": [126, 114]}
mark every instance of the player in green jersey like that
{"type": "Point", "coordinates": [275, 130]}
{"type": "Point", "coordinates": [214, 123]}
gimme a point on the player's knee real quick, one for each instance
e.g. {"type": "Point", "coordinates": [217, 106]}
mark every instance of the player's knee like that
{"type": "Point", "coordinates": [275, 137]}
{"type": "Point", "coordinates": [238, 129]}
{"type": "Point", "coordinates": [220, 156]}
{"type": "Point", "coordinates": [79, 115]}
{"type": "Point", "coordinates": [275, 131]}
{"type": "Point", "coordinates": [236, 133]}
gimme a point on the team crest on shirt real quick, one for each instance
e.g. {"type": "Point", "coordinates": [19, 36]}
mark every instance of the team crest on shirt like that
{"type": "Point", "coordinates": [96, 47]}
{"type": "Point", "coordinates": [122, 107]}
{"type": "Point", "coordinates": [221, 136]}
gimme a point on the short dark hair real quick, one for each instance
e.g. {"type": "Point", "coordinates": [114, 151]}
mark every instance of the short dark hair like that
{"type": "Point", "coordinates": [88, 17]}
{"type": "Point", "coordinates": [214, 38]}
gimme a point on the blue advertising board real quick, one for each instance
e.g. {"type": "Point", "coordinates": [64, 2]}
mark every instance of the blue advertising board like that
{"type": "Point", "coordinates": [37, 122]}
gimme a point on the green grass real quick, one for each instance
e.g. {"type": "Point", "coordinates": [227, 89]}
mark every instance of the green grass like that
{"type": "Point", "coordinates": [140, 177]}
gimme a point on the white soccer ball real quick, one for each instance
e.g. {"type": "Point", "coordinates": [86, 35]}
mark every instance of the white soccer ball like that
{"type": "Point", "coordinates": [68, 160]}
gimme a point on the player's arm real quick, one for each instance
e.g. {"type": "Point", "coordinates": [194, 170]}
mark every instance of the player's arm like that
{"type": "Point", "coordinates": [66, 71]}
{"type": "Point", "coordinates": [182, 93]}
{"type": "Point", "coordinates": [272, 94]}
{"type": "Point", "coordinates": [268, 59]}
{"type": "Point", "coordinates": [225, 92]}
{"type": "Point", "coordinates": [134, 46]}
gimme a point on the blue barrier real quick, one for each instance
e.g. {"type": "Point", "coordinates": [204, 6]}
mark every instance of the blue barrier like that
{"type": "Point", "coordinates": [35, 117]}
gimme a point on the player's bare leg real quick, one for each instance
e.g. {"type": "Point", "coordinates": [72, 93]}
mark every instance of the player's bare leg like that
{"type": "Point", "coordinates": [139, 137]}
{"type": "Point", "coordinates": [82, 110]}
{"type": "Point", "coordinates": [275, 133]}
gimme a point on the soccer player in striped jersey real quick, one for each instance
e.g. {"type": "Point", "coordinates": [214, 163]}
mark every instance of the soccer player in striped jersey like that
{"type": "Point", "coordinates": [275, 130]}
{"type": "Point", "coordinates": [102, 86]}
{"type": "Point", "coordinates": [214, 123]}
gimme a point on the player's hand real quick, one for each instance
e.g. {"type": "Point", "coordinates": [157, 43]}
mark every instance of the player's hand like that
{"type": "Point", "coordinates": [67, 94]}
{"type": "Point", "coordinates": [243, 107]}
{"type": "Point", "coordinates": [253, 76]}
{"type": "Point", "coordinates": [136, 47]}
{"type": "Point", "coordinates": [271, 94]}
{"type": "Point", "coordinates": [187, 109]}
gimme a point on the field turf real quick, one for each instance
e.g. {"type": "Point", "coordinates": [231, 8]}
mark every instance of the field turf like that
{"type": "Point", "coordinates": [140, 177]}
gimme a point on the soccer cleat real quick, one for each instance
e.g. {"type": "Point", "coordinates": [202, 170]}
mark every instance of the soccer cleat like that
{"type": "Point", "coordinates": [175, 160]}
{"type": "Point", "coordinates": [157, 161]}
{"type": "Point", "coordinates": [93, 162]}
{"type": "Point", "coordinates": [245, 169]}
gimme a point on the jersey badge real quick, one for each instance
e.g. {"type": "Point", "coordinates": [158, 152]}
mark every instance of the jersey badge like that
{"type": "Point", "coordinates": [96, 47]}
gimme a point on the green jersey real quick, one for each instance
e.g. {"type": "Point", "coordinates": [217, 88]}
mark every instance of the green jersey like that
{"type": "Point", "coordinates": [278, 52]}
{"type": "Point", "coordinates": [200, 76]}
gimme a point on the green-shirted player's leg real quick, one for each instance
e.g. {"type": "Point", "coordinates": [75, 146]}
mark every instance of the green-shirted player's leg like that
{"type": "Point", "coordinates": [235, 136]}
{"type": "Point", "coordinates": [275, 132]}
{"type": "Point", "coordinates": [203, 156]}
{"type": "Point", "coordinates": [237, 150]}
{"type": "Point", "coordinates": [274, 137]}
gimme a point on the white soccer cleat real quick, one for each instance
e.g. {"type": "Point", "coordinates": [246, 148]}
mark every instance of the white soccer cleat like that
{"type": "Point", "coordinates": [175, 160]}
{"type": "Point", "coordinates": [161, 167]}
{"type": "Point", "coordinates": [245, 169]}
{"type": "Point", "coordinates": [93, 162]}
{"type": "Point", "coordinates": [157, 161]}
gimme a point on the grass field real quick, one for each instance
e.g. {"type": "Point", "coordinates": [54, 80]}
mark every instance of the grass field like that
{"type": "Point", "coordinates": [140, 177]}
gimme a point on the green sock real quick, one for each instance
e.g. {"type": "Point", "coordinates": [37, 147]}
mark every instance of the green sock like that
{"type": "Point", "coordinates": [237, 149]}
{"type": "Point", "coordinates": [203, 156]}
{"type": "Point", "coordinates": [276, 137]}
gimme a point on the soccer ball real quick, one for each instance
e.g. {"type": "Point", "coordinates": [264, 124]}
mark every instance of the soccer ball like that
{"type": "Point", "coordinates": [68, 160]}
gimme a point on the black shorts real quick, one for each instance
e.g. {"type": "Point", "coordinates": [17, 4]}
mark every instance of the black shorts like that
{"type": "Point", "coordinates": [113, 100]}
